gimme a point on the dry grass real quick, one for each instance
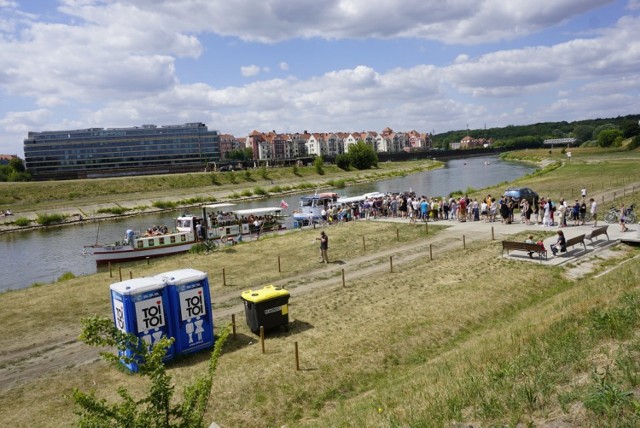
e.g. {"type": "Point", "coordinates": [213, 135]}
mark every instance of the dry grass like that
{"type": "Point", "coordinates": [466, 337]}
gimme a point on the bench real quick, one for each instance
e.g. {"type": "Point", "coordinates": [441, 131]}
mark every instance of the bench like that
{"type": "Point", "coordinates": [597, 232]}
{"type": "Point", "coordinates": [576, 240]}
{"type": "Point", "coordinates": [524, 246]}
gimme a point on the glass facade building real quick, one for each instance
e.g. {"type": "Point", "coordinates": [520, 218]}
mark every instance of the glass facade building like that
{"type": "Point", "coordinates": [98, 152]}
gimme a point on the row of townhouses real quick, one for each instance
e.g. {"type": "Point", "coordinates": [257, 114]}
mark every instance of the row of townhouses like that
{"type": "Point", "coordinates": [274, 146]}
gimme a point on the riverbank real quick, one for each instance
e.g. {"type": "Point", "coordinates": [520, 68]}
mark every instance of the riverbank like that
{"type": "Point", "coordinates": [72, 202]}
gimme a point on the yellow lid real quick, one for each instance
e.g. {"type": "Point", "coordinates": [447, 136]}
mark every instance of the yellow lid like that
{"type": "Point", "coordinates": [267, 292]}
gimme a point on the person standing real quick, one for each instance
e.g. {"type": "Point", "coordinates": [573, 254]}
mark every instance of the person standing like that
{"type": "Point", "coordinates": [594, 212]}
{"type": "Point", "coordinates": [324, 247]}
{"type": "Point", "coordinates": [623, 213]}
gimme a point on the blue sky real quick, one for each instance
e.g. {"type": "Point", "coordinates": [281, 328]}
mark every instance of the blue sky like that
{"type": "Point", "coordinates": [334, 65]}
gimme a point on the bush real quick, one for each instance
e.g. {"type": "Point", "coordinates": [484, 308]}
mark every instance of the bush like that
{"type": "Point", "coordinates": [343, 162]}
{"type": "Point", "coordinates": [165, 204]}
{"type": "Point", "coordinates": [22, 222]}
{"type": "Point", "coordinates": [246, 193]}
{"type": "Point", "coordinates": [65, 276]}
{"type": "Point", "coordinates": [112, 210]}
{"type": "Point", "coordinates": [215, 179]}
{"type": "Point", "coordinates": [263, 172]}
{"type": "Point", "coordinates": [247, 175]}
{"type": "Point", "coordinates": [48, 219]}
{"type": "Point", "coordinates": [260, 191]}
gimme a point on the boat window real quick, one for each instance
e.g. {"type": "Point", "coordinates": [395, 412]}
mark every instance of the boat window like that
{"type": "Point", "coordinates": [307, 202]}
{"type": "Point", "coordinates": [172, 239]}
{"type": "Point", "coordinates": [161, 241]}
{"type": "Point", "coordinates": [152, 242]}
{"type": "Point", "coordinates": [183, 238]}
{"type": "Point", "coordinates": [140, 244]}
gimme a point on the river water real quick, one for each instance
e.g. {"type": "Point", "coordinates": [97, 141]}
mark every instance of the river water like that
{"type": "Point", "coordinates": [42, 256]}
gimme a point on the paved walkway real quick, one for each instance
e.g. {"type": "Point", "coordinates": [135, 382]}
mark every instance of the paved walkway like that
{"type": "Point", "coordinates": [473, 230]}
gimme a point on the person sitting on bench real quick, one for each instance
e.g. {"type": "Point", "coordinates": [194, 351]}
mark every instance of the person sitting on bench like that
{"type": "Point", "coordinates": [560, 244]}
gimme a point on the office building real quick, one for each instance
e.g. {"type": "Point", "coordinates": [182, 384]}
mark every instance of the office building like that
{"type": "Point", "coordinates": [98, 152]}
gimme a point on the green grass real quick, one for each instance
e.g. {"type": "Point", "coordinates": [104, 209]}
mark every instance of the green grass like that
{"type": "Point", "coordinates": [49, 219]}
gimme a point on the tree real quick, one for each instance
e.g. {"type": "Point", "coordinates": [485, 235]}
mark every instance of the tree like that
{"type": "Point", "coordinates": [609, 137]}
{"type": "Point", "coordinates": [343, 161]}
{"type": "Point", "coordinates": [317, 164]}
{"type": "Point", "coordinates": [17, 164]}
{"type": "Point", "coordinates": [583, 133]}
{"type": "Point", "coordinates": [241, 154]}
{"type": "Point", "coordinates": [156, 408]}
{"type": "Point", "coordinates": [363, 156]}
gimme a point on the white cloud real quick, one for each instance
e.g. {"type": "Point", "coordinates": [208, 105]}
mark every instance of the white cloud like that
{"type": "Point", "coordinates": [250, 70]}
{"type": "Point", "coordinates": [23, 121]}
{"type": "Point", "coordinates": [283, 66]}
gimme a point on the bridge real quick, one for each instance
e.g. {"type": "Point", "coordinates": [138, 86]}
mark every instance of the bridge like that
{"type": "Point", "coordinates": [559, 141]}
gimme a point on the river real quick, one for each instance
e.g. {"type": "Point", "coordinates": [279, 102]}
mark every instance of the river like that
{"type": "Point", "coordinates": [42, 256]}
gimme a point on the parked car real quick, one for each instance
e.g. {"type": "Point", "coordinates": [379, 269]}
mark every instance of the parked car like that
{"type": "Point", "coordinates": [519, 193]}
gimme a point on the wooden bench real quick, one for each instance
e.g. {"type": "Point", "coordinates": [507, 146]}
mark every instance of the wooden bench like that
{"type": "Point", "coordinates": [576, 240]}
{"type": "Point", "coordinates": [597, 232]}
{"type": "Point", "coordinates": [524, 246]}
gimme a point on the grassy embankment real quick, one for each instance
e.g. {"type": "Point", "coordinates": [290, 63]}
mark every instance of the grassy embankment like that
{"type": "Point", "coordinates": [125, 195]}
{"type": "Point", "coordinates": [467, 337]}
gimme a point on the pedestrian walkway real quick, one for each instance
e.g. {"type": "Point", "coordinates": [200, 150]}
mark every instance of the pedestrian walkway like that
{"type": "Point", "coordinates": [473, 230]}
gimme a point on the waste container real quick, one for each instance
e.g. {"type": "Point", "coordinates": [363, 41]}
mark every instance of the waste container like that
{"type": "Point", "coordinates": [191, 317]}
{"type": "Point", "coordinates": [140, 307]}
{"type": "Point", "coordinates": [267, 307]}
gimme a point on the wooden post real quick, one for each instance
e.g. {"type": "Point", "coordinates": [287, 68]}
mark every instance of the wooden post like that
{"type": "Point", "coordinates": [430, 252]}
{"type": "Point", "coordinates": [130, 274]}
{"type": "Point", "coordinates": [614, 196]}
{"type": "Point", "coordinates": [464, 242]}
{"type": "Point", "coordinates": [426, 226]}
{"type": "Point", "coordinates": [148, 260]}
{"type": "Point", "coordinates": [391, 263]}
{"type": "Point", "coordinates": [110, 271]}
{"type": "Point", "coordinates": [603, 199]}
{"type": "Point", "coordinates": [233, 325]}
{"type": "Point", "coordinates": [493, 237]}
{"type": "Point", "coordinates": [224, 277]}
{"type": "Point", "coordinates": [262, 338]}
{"type": "Point", "coordinates": [364, 244]}
{"type": "Point", "coordinates": [343, 283]}
{"type": "Point", "coordinates": [120, 272]}
{"type": "Point", "coordinates": [398, 234]}
{"type": "Point", "coordinates": [279, 269]}
{"type": "Point", "coordinates": [297, 357]}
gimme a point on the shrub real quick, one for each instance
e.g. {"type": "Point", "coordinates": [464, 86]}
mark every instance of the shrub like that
{"type": "Point", "coordinates": [215, 179]}
{"type": "Point", "coordinates": [48, 219]}
{"type": "Point", "coordinates": [260, 191]}
{"type": "Point", "coordinates": [65, 276]}
{"type": "Point", "coordinates": [296, 171]}
{"type": "Point", "coordinates": [246, 193]}
{"type": "Point", "coordinates": [263, 172]}
{"type": "Point", "coordinates": [275, 189]}
{"type": "Point", "coordinates": [165, 204]}
{"type": "Point", "coordinates": [343, 161]}
{"type": "Point", "coordinates": [112, 210]}
{"type": "Point", "coordinates": [232, 177]}
{"type": "Point", "coordinates": [247, 175]}
{"type": "Point", "coordinates": [22, 221]}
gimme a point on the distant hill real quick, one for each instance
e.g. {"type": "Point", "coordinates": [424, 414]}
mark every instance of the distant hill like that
{"type": "Point", "coordinates": [522, 136]}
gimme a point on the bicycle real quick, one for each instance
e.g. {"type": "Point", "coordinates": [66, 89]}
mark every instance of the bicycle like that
{"type": "Point", "coordinates": [613, 216]}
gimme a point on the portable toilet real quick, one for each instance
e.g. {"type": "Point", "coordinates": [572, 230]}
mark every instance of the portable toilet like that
{"type": "Point", "coordinates": [190, 305]}
{"type": "Point", "coordinates": [140, 307]}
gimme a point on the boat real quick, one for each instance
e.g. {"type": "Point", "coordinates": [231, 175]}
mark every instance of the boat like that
{"type": "Point", "coordinates": [311, 207]}
{"type": "Point", "coordinates": [217, 225]}
{"type": "Point", "coordinates": [360, 198]}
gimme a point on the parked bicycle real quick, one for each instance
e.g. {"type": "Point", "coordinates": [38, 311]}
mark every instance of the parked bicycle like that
{"type": "Point", "coordinates": [613, 216]}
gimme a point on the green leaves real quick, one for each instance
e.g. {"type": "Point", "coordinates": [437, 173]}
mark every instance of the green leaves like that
{"type": "Point", "coordinates": [156, 408]}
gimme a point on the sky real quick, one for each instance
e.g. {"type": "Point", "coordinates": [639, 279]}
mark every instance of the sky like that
{"type": "Point", "coordinates": [320, 66]}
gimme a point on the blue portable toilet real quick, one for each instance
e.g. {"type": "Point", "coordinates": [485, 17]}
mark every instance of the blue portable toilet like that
{"type": "Point", "coordinates": [190, 302]}
{"type": "Point", "coordinates": [141, 307]}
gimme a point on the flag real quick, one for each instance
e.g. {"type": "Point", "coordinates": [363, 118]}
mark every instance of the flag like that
{"type": "Point", "coordinates": [283, 204]}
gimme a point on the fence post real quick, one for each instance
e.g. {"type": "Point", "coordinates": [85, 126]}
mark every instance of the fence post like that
{"type": "Point", "coordinates": [464, 243]}
{"type": "Point", "coordinates": [297, 357]}
{"type": "Point", "coordinates": [279, 270]}
{"type": "Point", "coordinates": [430, 252]}
{"type": "Point", "coordinates": [364, 244]}
{"type": "Point", "coordinates": [130, 274]}
{"type": "Point", "coordinates": [233, 325]}
{"type": "Point", "coordinates": [262, 338]}
{"type": "Point", "coordinates": [391, 264]}
{"type": "Point", "coordinates": [493, 238]}
{"type": "Point", "coordinates": [110, 271]}
{"type": "Point", "coordinates": [343, 282]}
{"type": "Point", "coordinates": [398, 234]}
{"type": "Point", "coordinates": [224, 277]}
{"type": "Point", "coordinates": [120, 273]}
